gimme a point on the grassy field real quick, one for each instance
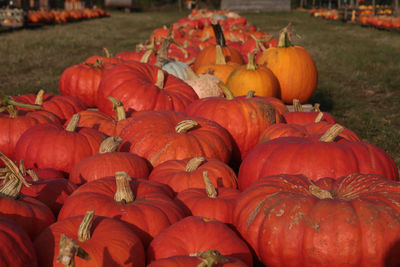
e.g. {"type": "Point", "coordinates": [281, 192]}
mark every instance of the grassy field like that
{"type": "Point", "coordinates": [358, 67]}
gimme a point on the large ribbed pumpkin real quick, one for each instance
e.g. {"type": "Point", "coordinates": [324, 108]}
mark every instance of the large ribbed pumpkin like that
{"type": "Point", "coordinates": [315, 158]}
{"type": "Point", "coordinates": [294, 68]}
{"type": "Point", "coordinates": [159, 136]}
{"type": "Point", "coordinates": [141, 86]}
{"type": "Point", "coordinates": [291, 221]}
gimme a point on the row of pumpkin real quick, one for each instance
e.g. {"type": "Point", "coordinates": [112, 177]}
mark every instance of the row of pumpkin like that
{"type": "Point", "coordinates": [64, 16]}
{"type": "Point", "coordinates": [220, 180]}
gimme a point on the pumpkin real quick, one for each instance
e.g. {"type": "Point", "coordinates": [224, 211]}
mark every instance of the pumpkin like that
{"type": "Point", "coordinates": [212, 258]}
{"type": "Point", "coordinates": [89, 240]}
{"type": "Point", "coordinates": [244, 118]}
{"type": "Point", "coordinates": [205, 85]}
{"type": "Point", "coordinates": [252, 77]}
{"type": "Point", "coordinates": [194, 235]}
{"type": "Point", "coordinates": [315, 159]}
{"type": "Point", "coordinates": [16, 249]}
{"type": "Point", "coordinates": [52, 146]}
{"type": "Point", "coordinates": [109, 125]}
{"type": "Point", "coordinates": [82, 81]}
{"type": "Point", "coordinates": [51, 192]}
{"type": "Point", "coordinates": [294, 68]}
{"type": "Point", "coordinates": [289, 220]}
{"type": "Point", "coordinates": [142, 87]}
{"type": "Point", "coordinates": [107, 162]}
{"type": "Point", "coordinates": [211, 202]}
{"type": "Point", "coordinates": [219, 68]}
{"type": "Point", "coordinates": [30, 214]}
{"type": "Point", "coordinates": [159, 136]}
{"type": "Point", "coordinates": [16, 122]}
{"type": "Point", "coordinates": [298, 116]}
{"type": "Point", "coordinates": [208, 54]}
{"type": "Point", "coordinates": [147, 207]}
{"type": "Point", "coordinates": [188, 173]}
{"type": "Point", "coordinates": [63, 106]}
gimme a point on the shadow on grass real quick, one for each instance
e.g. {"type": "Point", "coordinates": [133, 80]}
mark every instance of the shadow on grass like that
{"type": "Point", "coordinates": [323, 98]}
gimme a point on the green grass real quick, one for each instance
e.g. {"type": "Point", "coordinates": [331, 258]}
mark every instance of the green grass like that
{"type": "Point", "coordinates": [359, 81]}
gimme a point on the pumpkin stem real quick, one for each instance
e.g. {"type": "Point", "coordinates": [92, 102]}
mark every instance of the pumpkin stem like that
{"type": "Point", "coordinates": [12, 185]}
{"type": "Point", "coordinates": [146, 56]}
{"type": "Point", "coordinates": [33, 175]}
{"type": "Point", "coordinates": [210, 258]}
{"type": "Point", "coordinates": [160, 79]}
{"type": "Point", "coordinates": [316, 107]}
{"type": "Point", "coordinates": [68, 250]}
{"type": "Point", "coordinates": [250, 94]}
{"type": "Point", "coordinates": [84, 227]}
{"type": "Point", "coordinates": [284, 38]}
{"type": "Point", "coordinates": [251, 64]}
{"type": "Point", "coordinates": [210, 189]}
{"type": "Point", "coordinates": [162, 53]}
{"type": "Point", "coordinates": [107, 52]}
{"type": "Point", "coordinates": [227, 92]}
{"type": "Point", "coordinates": [7, 101]}
{"type": "Point", "coordinates": [73, 123]}
{"type": "Point", "coordinates": [297, 107]}
{"type": "Point", "coordinates": [110, 144]}
{"type": "Point", "coordinates": [22, 168]}
{"type": "Point", "coordinates": [319, 117]}
{"type": "Point", "coordinates": [332, 133]}
{"type": "Point", "coordinates": [12, 111]}
{"type": "Point", "coordinates": [219, 35]}
{"type": "Point", "coordinates": [194, 163]}
{"type": "Point", "coordinates": [185, 126]}
{"type": "Point", "coordinates": [184, 51]}
{"type": "Point", "coordinates": [99, 64]}
{"type": "Point", "coordinates": [219, 56]}
{"type": "Point", "coordinates": [318, 192]}
{"type": "Point", "coordinates": [117, 105]}
{"type": "Point", "coordinates": [124, 192]}
{"type": "Point", "coordinates": [191, 74]}
{"type": "Point", "coordinates": [39, 97]}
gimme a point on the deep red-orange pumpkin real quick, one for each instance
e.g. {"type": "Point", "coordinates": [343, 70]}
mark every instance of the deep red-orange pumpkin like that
{"type": "Point", "coordinates": [141, 86]}
{"type": "Point", "coordinates": [147, 207]}
{"type": "Point", "coordinates": [107, 163]}
{"type": "Point", "coordinates": [291, 221]}
{"type": "Point", "coordinates": [192, 235]}
{"type": "Point", "coordinates": [188, 173]}
{"type": "Point", "coordinates": [209, 202]}
{"type": "Point", "coordinates": [16, 249]}
{"type": "Point", "coordinates": [315, 158]}
{"type": "Point", "coordinates": [244, 118]}
{"type": "Point", "coordinates": [52, 146]}
{"type": "Point", "coordinates": [107, 242]}
{"type": "Point", "coordinates": [159, 136]}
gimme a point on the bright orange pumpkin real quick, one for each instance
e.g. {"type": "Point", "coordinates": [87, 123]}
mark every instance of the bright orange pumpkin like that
{"type": "Point", "coordinates": [252, 77]}
{"type": "Point", "coordinates": [294, 68]}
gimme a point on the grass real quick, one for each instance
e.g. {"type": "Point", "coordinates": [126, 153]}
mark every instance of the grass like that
{"type": "Point", "coordinates": [359, 81]}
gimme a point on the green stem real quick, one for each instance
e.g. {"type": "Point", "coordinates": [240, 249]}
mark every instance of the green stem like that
{"type": "Point", "coordinates": [219, 35]}
{"type": "Point", "coordinates": [6, 101]}
{"type": "Point", "coordinates": [227, 92]}
{"type": "Point", "coordinates": [284, 38]}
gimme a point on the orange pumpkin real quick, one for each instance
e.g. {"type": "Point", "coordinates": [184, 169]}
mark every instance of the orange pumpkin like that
{"type": "Point", "coordinates": [294, 68]}
{"type": "Point", "coordinates": [252, 77]}
{"type": "Point", "coordinates": [220, 68]}
{"type": "Point", "coordinates": [208, 54]}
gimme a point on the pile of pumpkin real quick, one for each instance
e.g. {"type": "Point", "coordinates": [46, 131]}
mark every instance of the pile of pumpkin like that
{"type": "Point", "coordinates": [64, 16]}
{"type": "Point", "coordinates": [131, 166]}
